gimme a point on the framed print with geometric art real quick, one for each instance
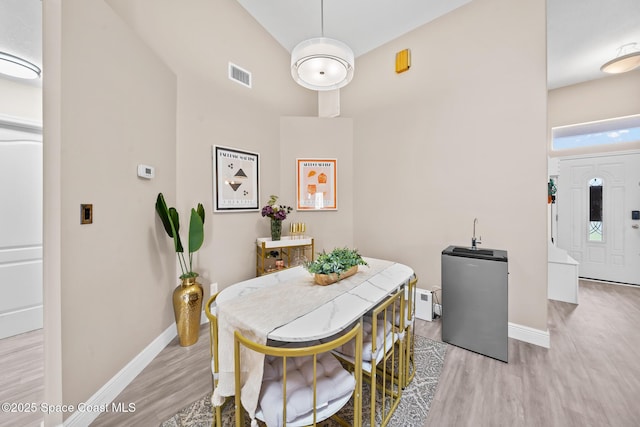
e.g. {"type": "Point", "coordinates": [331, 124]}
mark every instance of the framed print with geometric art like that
{"type": "Point", "coordinates": [235, 180]}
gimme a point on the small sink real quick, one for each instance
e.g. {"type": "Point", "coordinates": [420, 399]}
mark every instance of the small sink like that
{"type": "Point", "coordinates": [483, 252]}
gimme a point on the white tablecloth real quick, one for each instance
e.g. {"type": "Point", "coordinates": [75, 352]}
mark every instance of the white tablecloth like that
{"type": "Point", "coordinates": [259, 312]}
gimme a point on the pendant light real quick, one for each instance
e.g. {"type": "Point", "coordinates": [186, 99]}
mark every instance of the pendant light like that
{"type": "Point", "coordinates": [322, 63]}
{"type": "Point", "coordinates": [627, 59]}
{"type": "Point", "coordinates": [14, 66]}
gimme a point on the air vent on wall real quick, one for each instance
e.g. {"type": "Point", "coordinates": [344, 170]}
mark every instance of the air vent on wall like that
{"type": "Point", "coordinates": [239, 75]}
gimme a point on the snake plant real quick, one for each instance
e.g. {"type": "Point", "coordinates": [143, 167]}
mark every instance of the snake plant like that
{"type": "Point", "coordinates": [171, 222]}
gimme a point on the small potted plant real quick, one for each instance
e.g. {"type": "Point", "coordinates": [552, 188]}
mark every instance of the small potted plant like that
{"type": "Point", "coordinates": [336, 265]}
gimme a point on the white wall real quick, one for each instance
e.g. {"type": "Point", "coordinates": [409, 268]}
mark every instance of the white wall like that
{"type": "Point", "coordinates": [22, 101]}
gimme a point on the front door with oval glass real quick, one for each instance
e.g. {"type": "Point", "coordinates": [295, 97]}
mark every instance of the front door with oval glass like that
{"type": "Point", "coordinates": [596, 196]}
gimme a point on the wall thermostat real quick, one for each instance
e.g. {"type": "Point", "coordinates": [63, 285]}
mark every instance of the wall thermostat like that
{"type": "Point", "coordinates": [146, 172]}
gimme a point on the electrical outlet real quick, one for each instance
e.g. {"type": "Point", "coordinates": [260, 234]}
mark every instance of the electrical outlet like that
{"type": "Point", "coordinates": [86, 213]}
{"type": "Point", "coordinates": [213, 288]}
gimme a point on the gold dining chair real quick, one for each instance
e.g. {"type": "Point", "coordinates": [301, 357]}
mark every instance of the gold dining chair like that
{"type": "Point", "coordinates": [210, 310]}
{"type": "Point", "coordinates": [409, 331]}
{"type": "Point", "coordinates": [303, 386]}
{"type": "Point", "coordinates": [382, 355]}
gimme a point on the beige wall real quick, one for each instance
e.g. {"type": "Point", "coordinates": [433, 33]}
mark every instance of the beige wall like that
{"type": "Point", "coordinates": [602, 99]}
{"type": "Point", "coordinates": [198, 39]}
{"type": "Point", "coordinates": [146, 85]}
{"type": "Point", "coordinates": [461, 135]}
{"type": "Point", "coordinates": [312, 137]}
{"type": "Point", "coordinates": [606, 98]}
{"type": "Point", "coordinates": [117, 110]}
{"type": "Point", "coordinates": [420, 155]}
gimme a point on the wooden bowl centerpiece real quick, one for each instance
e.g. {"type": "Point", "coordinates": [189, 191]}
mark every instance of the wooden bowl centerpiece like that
{"type": "Point", "coordinates": [334, 266]}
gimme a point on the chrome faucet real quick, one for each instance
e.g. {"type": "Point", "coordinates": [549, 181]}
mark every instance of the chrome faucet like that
{"type": "Point", "coordinates": [474, 241]}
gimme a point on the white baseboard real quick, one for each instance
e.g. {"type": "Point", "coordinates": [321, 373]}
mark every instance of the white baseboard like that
{"type": "Point", "coordinates": [519, 332]}
{"type": "Point", "coordinates": [122, 379]}
{"type": "Point", "coordinates": [20, 321]}
{"type": "Point", "coordinates": [530, 335]}
{"type": "Point", "coordinates": [109, 391]}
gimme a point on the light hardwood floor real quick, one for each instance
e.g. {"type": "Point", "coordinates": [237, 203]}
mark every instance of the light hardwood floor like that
{"type": "Point", "coordinates": [589, 377]}
{"type": "Point", "coordinates": [21, 377]}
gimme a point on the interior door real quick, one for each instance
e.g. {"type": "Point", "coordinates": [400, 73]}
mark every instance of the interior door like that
{"type": "Point", "coordinates": [596, 197]}
{"type": "Point", "coordinates": [20, 231]}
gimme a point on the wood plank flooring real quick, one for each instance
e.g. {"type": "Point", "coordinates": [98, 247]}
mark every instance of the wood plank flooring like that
{"type": "Point", "coordinates": [21, 377]}
{"type": "Point", "coordinates": [589, 377]}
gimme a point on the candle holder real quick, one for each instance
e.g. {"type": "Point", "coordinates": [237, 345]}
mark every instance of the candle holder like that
{"type": "Point", "coordinates": [297, 230]}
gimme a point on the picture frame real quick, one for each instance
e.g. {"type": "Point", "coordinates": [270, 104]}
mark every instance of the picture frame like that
{"type": "Point", "coordinates": [236, 180]}
{"type": "Point", "coordinates": [317, 184]}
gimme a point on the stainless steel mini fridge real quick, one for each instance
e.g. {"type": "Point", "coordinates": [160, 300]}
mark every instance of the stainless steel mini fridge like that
{"type": "Point", "coordinates": [475, 300]}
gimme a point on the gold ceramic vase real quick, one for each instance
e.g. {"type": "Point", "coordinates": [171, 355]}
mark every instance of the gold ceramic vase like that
{"type": "Point", "coordinates": [187, 306]}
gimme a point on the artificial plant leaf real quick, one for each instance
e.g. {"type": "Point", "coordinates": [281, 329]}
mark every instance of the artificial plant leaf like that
{"type": "Point", "coordinates": [175, 223]}
{"type": "Point", "coordinates": [201, 212]}
{"type": "Point", "coordinates": [163, 213]}
{"type": "Point", "coordinates": [196, 231]}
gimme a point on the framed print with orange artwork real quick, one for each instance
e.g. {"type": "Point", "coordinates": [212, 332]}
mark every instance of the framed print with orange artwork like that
{"type": "Point", "coordinates": [317, 184]}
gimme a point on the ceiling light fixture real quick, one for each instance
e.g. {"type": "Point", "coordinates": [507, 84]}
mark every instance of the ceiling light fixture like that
{"type": "Point", "coordinates": [17, 67]}
{"type": "Point", "coordinates": [322, 63]}
{"type": "Point", "coordinates": [627, 59]}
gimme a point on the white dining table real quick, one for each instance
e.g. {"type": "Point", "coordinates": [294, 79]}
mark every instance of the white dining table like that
{"type": "Point", "coordinates": [288, 307]}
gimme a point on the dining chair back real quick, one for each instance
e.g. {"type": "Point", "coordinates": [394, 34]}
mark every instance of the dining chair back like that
{"type": "Point", "coordinates": [211, 312]}
{"type": "Point", "coordinates": [382, 356]}
{"type": "Point", "coordinates": [409, 331]}
{"type": "Point", "coordinates": [302, 385]}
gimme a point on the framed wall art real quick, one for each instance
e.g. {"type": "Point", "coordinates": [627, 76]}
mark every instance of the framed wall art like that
{"type": "Point", "coordinates": [317, 184]}
{"type": "Point", "coordinates": [235, 180]}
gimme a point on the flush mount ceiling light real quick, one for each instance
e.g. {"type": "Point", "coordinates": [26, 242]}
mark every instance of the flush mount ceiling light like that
{"type": "Point", "coordinates": [627, 58]}
{"type": "Point", "coordinates": [322, 63]}
{"type": "Point", "coordinates": [17, 67]}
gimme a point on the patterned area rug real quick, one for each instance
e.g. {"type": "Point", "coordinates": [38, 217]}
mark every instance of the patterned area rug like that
{"type": "Point", "coordinates": [412, 411]}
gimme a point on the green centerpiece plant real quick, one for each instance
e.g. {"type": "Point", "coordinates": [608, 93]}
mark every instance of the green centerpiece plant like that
{"type": "Point", "coordinates": [335, 265]}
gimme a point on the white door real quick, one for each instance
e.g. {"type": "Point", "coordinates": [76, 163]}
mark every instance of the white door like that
{"type": "Point", "coordinates": [596, 197]}
{"type": "Point", "coordinates": [20, 231]}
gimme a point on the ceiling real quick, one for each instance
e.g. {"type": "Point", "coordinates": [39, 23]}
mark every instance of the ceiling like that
{"type": "Point", "coordinates": [581, 34]}
{"type": "Point", "coordinates": [21, 30]}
